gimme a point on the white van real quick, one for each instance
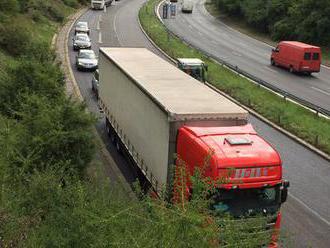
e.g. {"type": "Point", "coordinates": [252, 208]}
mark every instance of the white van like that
{"type": "Point", "coordinates": [187, 6]}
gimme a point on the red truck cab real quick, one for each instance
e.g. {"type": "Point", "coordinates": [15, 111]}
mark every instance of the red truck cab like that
{"type": "Point", "coordinates": [251, 167]}
{"type": "Point", "coordinates": [297, 57]}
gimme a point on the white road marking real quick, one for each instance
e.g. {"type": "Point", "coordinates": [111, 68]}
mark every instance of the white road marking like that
{"type": "Point", "coordinates": [270, 69]}
{"type": "Point", "coordinates": [320, 90]}
{"type": "Point", "coordinates": [311, 210]}
{"type": "Point", "coordinates": [214, 42]}
{"type": "Point", "coordinates": [236, 53]}
{"type": "Point", "coordinates": [114, 27]}
{"type": "Point", "coordinates": [100, 37]}
{"type": "Point", "coordinates": [105, 9]}
{"type": "Point", "coordinates": [98, 25]}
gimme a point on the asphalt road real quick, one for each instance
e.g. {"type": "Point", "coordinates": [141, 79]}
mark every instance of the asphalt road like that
{"type": "Point", "coordinates": [307, 212]}
{"type": "Point", "coordinates": [205, 32]}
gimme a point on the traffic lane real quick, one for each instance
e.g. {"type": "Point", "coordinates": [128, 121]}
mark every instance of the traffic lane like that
{"type": "Point", "coordinates": [84, 82]}
{"type": "Point", "coordinates": [127, 28]}
{"type": "Point", "coordinates": [308, 173]}
{"type": "Point", "coordinates": [248, 54]}
{"type": "Point", "coordinates": [260, 49]}
{"type": "Point", "coordinates": [306, 88]}
{"type": "Point", "coordinates": [302, 228]}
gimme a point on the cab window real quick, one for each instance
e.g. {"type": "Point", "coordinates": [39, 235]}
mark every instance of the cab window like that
{"type": "Point", "coordinates": [307, 56]}
{"type": "Point", "coordinates": [316, 56]}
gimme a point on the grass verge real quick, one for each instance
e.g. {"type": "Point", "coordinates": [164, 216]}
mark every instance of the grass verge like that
{"type": "Point", "coordinates": [289, 116]}
{"type": "Point", "coordinates": [239, 24]}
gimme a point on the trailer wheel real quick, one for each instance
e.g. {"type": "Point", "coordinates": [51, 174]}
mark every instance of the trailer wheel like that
{"type": "Point", "coordinates": [108, 130]}
{"type": "Point", "coordinates": [112, 138]}
{"type": "Point", "coordinates": [118, 147]}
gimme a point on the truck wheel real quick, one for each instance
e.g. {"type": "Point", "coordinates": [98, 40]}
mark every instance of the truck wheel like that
{"type": "Point", "coordinates": [118, 146]}
{"type": "Point", "coordinates": [272, 62]}
{"type": "Point", "coordinates": [291, 69]}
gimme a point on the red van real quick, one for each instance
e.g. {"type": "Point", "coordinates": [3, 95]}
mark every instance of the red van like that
{"type": "Point", "coordinates": [297, 56]}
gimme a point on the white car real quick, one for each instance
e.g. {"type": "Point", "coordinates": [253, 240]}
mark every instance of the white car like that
{"type": "Point", "coordinates": [187, 6]}
{"type": "Point", "coordinates": [81, 27]}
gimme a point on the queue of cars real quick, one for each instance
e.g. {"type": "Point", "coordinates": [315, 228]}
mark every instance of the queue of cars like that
{"type": "Point", "coordinates": [86, 58]}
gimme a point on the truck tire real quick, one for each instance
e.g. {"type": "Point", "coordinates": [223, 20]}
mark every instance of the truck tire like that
{"type": "Point", "coordinates": [118, 146]}
{"type": "Point", "coordinates": [291, 70]}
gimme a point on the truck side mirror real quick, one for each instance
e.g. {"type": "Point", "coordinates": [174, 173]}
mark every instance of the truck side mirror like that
{"type": "Point", "coordinates": [284, 191]}
{"type": "Point", "coordinates": [273, 50]}
{"type": "Point", "coordinates": [206, 67]}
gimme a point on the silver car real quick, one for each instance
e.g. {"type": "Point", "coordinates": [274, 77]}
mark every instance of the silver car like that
{"type": "Point", "coordinates": [81, 27]}
{"type": "Point", "coordinates": [86, 60]}
{"type": "Point", "coordinates": [81, 41]}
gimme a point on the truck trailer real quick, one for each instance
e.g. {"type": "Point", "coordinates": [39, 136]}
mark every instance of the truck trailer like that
{"type": "Point", "coordinates": [153, 110]}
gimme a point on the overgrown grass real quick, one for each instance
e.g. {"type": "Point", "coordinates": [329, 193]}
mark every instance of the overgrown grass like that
{"type": "Point", "coordinates": [291, 117]}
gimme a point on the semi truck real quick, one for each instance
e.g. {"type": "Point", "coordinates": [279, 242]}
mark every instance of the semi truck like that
{"type": "Point", "coordinates": [154, 110]}
{"type": "Point", "coordinates": [100, 4]}
{"type": "Point", "coordinates": [193, 67]}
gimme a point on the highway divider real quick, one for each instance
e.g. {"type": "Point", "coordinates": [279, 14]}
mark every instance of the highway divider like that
{"type": "Point", "coordinates": [290, 118]}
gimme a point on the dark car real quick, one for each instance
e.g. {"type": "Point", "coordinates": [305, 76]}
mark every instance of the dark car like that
{"type": "Point", "coordinates": [95, 83]}
{"type": "Point", "coordinates": [81, 41]}
{"type": "Point", "coordinates": [86, 60]}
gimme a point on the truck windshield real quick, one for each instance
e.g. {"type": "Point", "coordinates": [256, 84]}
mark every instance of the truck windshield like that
{"type": "Point", "coordinates": [194, 71]}
{"type": "Point", "coordinates": [247, 202]}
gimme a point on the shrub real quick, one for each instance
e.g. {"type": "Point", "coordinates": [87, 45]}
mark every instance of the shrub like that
{"type": "Point", "coordinates": [71, 3]}
{"type": "Point", "coordinates": [15, 38]}
{"type": "Point", "coordinates": [10, 6]}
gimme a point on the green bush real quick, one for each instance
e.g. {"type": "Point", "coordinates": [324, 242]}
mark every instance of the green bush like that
{"type": "Point", "coordinates": [10, 6]}
{"type": "Point", "coordinates": [15, 38]}
{"type": "Point", "coordinates": [55, 13]}
{"type": "Point", "coordinates": [71, 3]}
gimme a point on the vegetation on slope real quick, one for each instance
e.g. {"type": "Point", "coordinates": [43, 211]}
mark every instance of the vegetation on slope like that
{"type": "Point", "coordinates": [46, 144]}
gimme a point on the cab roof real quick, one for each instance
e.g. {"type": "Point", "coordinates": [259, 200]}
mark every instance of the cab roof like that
{"type": "Point", "coordinates": [190, 61]}
{"type": "Point", "coordinates": [236, 146]}
{"type": "Point", "coordinates": [298, 44]}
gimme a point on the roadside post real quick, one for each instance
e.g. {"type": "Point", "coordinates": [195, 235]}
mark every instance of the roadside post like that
{"type": "Point", "coordinates": [165, 10]}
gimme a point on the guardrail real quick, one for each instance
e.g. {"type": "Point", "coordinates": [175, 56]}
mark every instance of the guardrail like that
{"type": "Point", "coordinates": [286, 95]}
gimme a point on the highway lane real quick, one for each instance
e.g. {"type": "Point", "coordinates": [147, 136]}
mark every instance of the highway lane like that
{"type": "Point", "coordinates": [307, 212]}
{"type": "Point", "coordinates": [210, 35]}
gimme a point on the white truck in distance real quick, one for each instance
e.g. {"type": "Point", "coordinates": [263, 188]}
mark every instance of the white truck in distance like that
{"type": "Point", "coordinates": [100, 4]}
